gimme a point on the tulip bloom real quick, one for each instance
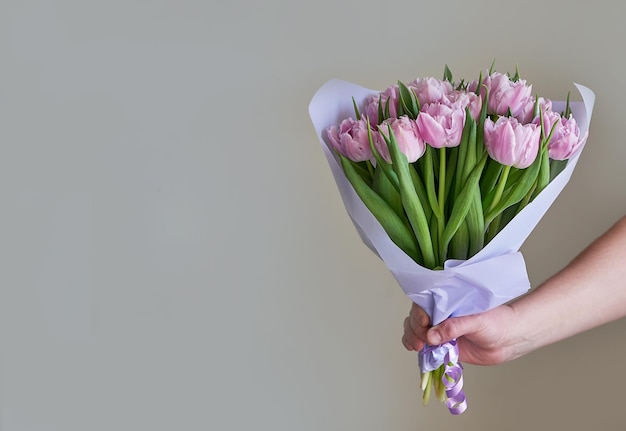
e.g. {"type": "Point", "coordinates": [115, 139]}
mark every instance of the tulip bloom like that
{"type": "Point", "coordinates": [430, 90]}
{"type": "Point", "coordinates": [506, 95]}
{"type": "Point", "coordinates": [511, 143]}
{"type": "Point", "coordinates": [405, 132]}
{"type": "Point", "coordinates": [351, 140]}
{"type": "Point", "coordinates": [440, 125]}
{"type": "Point", "coordinates": [464, 99]}
{"type": "Point", "coordinates": [566, 140]}
{"type": "Point", "coordinates": [388, 97]}
{"type": "Point", "coordinates": [549, 119]}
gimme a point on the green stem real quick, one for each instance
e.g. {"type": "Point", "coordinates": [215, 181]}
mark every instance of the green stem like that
{"type": "Point", "coordinates": [427, 385]}
{"type": "Point", "coordinates": [429, 182]}
{"type": "Point", "coordinates": [370, 168]}
{"type": "Point", "coordinates": [501, 184]}
{"type": "Point", "coordinates": [440, 390]}
{"type": "Point", "coordinates": [441, 199]}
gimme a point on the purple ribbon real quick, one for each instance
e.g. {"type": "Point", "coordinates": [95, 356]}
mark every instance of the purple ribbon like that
{"type": "Point", "coordinates": [447, 355]}
{"type": "Point", "coordinates": [453, 381]}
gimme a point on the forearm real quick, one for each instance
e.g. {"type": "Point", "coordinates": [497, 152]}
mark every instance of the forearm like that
{"type": "Point", "coordinates": [589, 292]}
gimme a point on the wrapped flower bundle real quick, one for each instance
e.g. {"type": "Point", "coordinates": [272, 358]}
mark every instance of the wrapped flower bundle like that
{"type": "Point", "coordinates": [444, 181]}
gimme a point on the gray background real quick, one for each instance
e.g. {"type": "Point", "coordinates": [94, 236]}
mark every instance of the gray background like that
{"type": "Point", "coordinates": [175, 254]}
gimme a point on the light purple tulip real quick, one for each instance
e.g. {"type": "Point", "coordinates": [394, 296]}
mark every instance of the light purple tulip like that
{"type": "Point", "coordinates": [511, 143]}
{"type": "Point", "coordinates": [391, 96]}
{"type": "Point", "coordinates": [430, 90]}
{"type": "Point", "coordinates": [405, 131]}
{"type": "Point", "coordinates": [566, 140]}
{"type": "Point", "coordinates": [505, 95]}
{"type": "Point", "coordinates": [351, 140]}
{"type": "Point", "coordinates": [463, 99]}
{"type": "Point", "coordinates": [440, 125]}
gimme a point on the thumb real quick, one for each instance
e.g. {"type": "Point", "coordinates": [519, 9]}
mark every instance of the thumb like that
{"type": "Point", "coordinates": [452, 328]}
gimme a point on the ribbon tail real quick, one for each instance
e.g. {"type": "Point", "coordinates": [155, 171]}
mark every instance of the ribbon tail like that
{"type": "Point", "coordinates": [452, 380]}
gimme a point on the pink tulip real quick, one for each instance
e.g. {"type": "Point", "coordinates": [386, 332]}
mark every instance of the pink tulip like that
{"type": "Point", "coordinates": [527, 113]}
{"type": "Point", "coordinates": [472, 86]}
{"type": "Point", "coordinates": [351, 140]}
{"type": "Point", "coordinates": [566, 140]}
{"type": "Point", "coordinates": [430, 90]}
{"type": "Point", "coordinates": [550, 118]}
{"type": "Point", "coordinates": [505, 95]}
{"type": "Point", "coordinates": [405, 131]}
{"type": "Point", "coordinates": [440, 125]}
{"type": "Point", "coordinates": [389, 96]}
{"type": "Point", "coordinates": [464, 99]}
{"type": "Point", "coordinates": [511, 143]}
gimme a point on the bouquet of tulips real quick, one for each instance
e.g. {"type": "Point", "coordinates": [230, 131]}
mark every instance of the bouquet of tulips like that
{"type": "Point", "coordinates": [444, 181]}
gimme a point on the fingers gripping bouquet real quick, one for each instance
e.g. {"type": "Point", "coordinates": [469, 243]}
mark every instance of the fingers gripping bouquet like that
{"type": "Point", "coordinates": [444, 181]}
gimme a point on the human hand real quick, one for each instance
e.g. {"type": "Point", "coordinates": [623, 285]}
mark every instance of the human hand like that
{"type": "Point", "coordinates": [487, 338]}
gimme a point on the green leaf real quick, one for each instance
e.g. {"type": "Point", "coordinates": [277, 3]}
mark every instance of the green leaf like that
{"type": "Point", "coordinates": [480, 127]}
{"type": "Point", "coordinates": [380, 162]}
{"type": "Point", "coordinates": [480, 84]}
{"type": "Point", "coordinates": [462, 155]}
{"type": "Point", "coordinates": [490, 177]}
{"type": "Point", "coordinates": [429, 182]}
{"type": "Point", "coordinates": [356, 109]}
{"type": "Point", "coordinates": [470, 158]}
{"type": "Point", "coordinates": [387, 102]}
{"type": "Point", "coordinates": [459, 245]}
{"type": "Point", "coordinates": [401, 109]}
{"type": "Point", "coordinates": [543, 178]}
{"type": "Point", "coordinates": [536, 112]}
{"type": "Point", "coordinates": [407, 102]}
{"type": "Point", "coordinates": [493, 228]}
{"type": "Point", "coordinates": [447, 74]}
{"type": "Point", "coordinates": [417, 101]}
{"type": "Point", "coordinates": [476, 225]}
{"type": "Point", "coordinates": [410, 201]}
{"type": "Point", "coordinates": [462, 205]}
{"type": "Point", "coordinates": [516, 192]}
{"type": "Point", "coordinates": [361, 169]}
{"type": "Point", "coordinates": [420, 190]}
{"type": "Point", "coordinates": [556, 166]}
{"type": "Point", "coordinates": [386, 216]}
{"type": "Point", "coordinates": [383, 187]}
{"type": "Point", "coordinates": [516, 77]}
{"type": "Point", "coordinates": [434, 235]}
{"type": "Point", "coordinates": [451, 175]}
{"type": "Point", "coordinates": [508, 214]}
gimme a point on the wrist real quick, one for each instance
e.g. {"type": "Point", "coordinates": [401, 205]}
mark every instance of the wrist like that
{"type": "Point", "coordinates": [525, 336]}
